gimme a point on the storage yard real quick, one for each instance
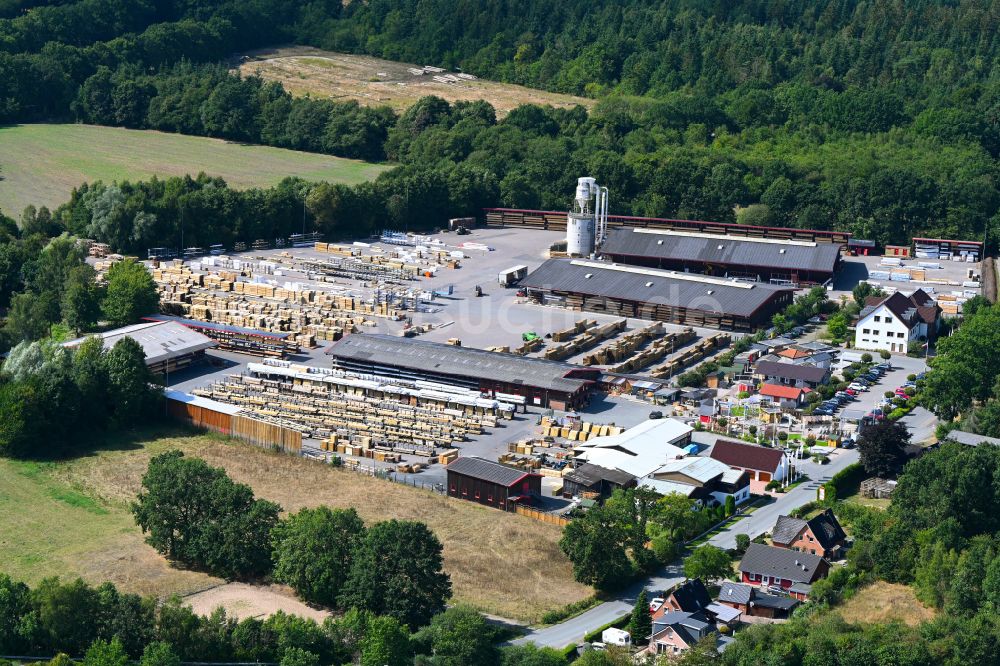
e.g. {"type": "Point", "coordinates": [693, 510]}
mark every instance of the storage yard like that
{"type": "Point", "coordinates": [405, 352]}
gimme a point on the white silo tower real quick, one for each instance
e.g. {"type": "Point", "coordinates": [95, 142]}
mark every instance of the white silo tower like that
{"type": "Point", "coordinates": [586, 224]}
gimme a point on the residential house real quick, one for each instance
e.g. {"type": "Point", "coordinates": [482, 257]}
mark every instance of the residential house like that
{"type": "Point", "coordinates": [486, 482]}
{"type": "Point", "coordinates": [791, 374]}
{"type": "Point", "coordinates": [676, 632]}
{"type": "Point", "coordinates": [703, 479]}
{"type": "Point", "coordinates": [691, 596]}
{"type": "Point", "coordinates": [750, 601]}
{"type": "Point", "coordinates": [791, 397]}
{"type": "Point", "coordinates": [891, 323]}
{"type": "Point", "coordinates": [822, 535]}
{"type": "Point", "coordinates": [762, 464]}
{"type": "Point", "coordinates": [770, 567]}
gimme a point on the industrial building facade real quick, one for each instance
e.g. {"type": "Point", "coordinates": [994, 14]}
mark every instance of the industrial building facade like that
{"type": "Point", "coordinates": [646, 293]}
{"type": "Point", "coordinates": [492, 484]}
{"type": "Point", "coordinates": [781, 261]}
{"type": "Point", "coordinates": [539, 382]}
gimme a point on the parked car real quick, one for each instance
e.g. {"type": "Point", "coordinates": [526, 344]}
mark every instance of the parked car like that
{"type": "Point", "coordinates": [857, 386]}
{"type": "Point", "coordinates": [885, 366]}
{"type": "Point", "coordinates": [852, 392]}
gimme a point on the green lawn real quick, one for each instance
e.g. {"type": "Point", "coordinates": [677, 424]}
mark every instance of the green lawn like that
{"type": "Point", "coordinates": [41, 164]}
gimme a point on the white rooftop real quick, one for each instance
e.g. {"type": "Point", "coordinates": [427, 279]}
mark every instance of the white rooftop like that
{"type": "Point", "coordinates": [639, 450]}
{"type": "Point", "coordinates": [160, 340]}
{"type": "Point", "coordinates": [198, 401]}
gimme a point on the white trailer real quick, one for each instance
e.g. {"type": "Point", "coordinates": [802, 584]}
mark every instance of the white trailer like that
{"type": "Point", "coordinates": [512, 275]}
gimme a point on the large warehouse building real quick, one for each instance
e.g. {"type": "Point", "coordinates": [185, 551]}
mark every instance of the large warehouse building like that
{"type": "Point", "coordinates": [539, 382]}
{"type": "Point", "coordinates": [781, 261]}
{"type": "Point", "coordinates": [168, 346]}
{"type": "Point", "coordinates": [648, 293]}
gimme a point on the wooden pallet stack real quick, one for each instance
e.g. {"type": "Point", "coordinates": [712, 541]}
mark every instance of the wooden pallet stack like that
{"type": "Point", "coordinates": [692, 355]}
{"type": "Point", "coordinates": [590, 338]}
{"type": "Point", "coordinates": [656, 351]}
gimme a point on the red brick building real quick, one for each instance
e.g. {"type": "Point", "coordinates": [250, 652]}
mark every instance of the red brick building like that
{"type": "Point", "coordinates": [774, 568]}
{"type": "Point", "coordinates": [821, 536]}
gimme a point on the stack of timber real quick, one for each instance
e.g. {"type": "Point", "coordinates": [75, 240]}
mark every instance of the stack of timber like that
{"type": "Point", "coordinates": [691, 355]}
{"type": "Point", "coordinates": [579, 431]}
{"type": "Point", "coordinates": [656, 351]}
{"type": "Point", "coordinates": [623, 347]}
{"type": "Point", "coordinates": [355, 415]}
{"type": "Point", "coordinates": [308, 314]}
{"type": "Point", "coordinates": [589, 339]}
{"type": "Point", "coordinates": [574, 330]}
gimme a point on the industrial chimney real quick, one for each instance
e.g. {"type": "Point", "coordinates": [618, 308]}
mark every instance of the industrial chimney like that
{"type": "Point", "coordinates": [586, 225]}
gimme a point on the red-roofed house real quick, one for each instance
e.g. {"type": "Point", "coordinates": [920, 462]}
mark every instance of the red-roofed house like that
{"type": "Point", "coordinates": [786, 396]}
{"type": "Point", "coordinates": [763, 464]}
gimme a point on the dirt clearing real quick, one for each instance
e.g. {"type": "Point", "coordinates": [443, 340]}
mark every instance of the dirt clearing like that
{"type": "Point", "coordinates": [883, 602]}
{"type": "Point", "coordinates": [373, 81]}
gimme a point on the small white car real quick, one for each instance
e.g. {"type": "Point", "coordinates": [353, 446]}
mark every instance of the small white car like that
{"type": "Point", "coordinates": [857, 387]}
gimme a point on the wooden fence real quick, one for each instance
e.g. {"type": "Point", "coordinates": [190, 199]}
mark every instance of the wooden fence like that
{"type": "Point", "coordinates": [244, 428]}
{"type": "Point", "coordinates": [549, 518]}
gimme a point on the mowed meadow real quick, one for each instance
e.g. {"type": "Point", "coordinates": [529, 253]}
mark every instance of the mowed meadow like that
{"type": "Point", "coordinates": [70, 518]}
{"type": "Point", "coordinates": [41, 164]}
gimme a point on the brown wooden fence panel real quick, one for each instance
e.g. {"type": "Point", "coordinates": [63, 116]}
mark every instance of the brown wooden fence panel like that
{"type": "Point", "coordinates": [549, 518]}
{"type": "Point", "coordinates": [270, 435]}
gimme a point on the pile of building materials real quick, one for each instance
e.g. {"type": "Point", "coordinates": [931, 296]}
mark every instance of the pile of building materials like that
{"type": "Point", "coordinates": [590, 338]}
{"type": "Point", "coordinates": [656, 351]}
{"type": "Point", "coordinates": [576, 329]}
{"type": "Point", "coordinates": [226, 296]}
{"type": "Point", "coordinates": [691, 355]}
{"type": "Point", "coordinates": [360, 416]}
{"type": "Point", "coordinates": [624, 346]}
{"type": "Point", "coordinates": [577, 431]}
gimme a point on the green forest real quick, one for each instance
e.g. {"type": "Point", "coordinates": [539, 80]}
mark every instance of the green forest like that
{"type": "Point", "coordinates": [879, 118]}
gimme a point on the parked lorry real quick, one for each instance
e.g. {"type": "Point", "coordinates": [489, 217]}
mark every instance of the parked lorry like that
{"type": "Point", "coordinates": [511, 276]}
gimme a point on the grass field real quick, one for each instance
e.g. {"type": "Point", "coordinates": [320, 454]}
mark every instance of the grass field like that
{"type": "Point", "coordinates": [373, 81]}
{"type": "Point", "coordinates": [71, 518]}
{"type": "Point", "coordinates": [41, 164]}
{"type": "Point", "coordinates": [883, 602]}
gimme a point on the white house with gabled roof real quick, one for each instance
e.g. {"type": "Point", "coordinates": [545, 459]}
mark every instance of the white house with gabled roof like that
{"type": "Point", "coordinates": [891, 323]}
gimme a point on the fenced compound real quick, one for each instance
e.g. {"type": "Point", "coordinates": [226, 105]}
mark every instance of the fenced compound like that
{"type": "Point", "coordinates": [227, 420]}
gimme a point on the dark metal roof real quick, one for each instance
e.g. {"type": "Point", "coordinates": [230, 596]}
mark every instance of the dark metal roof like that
{"type": "Point", "coordinates": [786, 529]}
{"type": "Point", "coordinates": [646, 285]}
{"type": "Point", "coordinates": [971, 439]}
{"type": "Point", "coordinates": [827, 529]}
{"type": "Point", "coordinates": [735, 593]}
{"type": "Point", "coordinates": [911, 310]}
{"type": "Point", "coordinates": [691, 595]}
{"type": "Point", "coordinates": [434, 357]}
{"type": "Point", "coordinates": [589, 475]}
{"type": "Point", "coordinates": [486, 470]}
{"type": "Point", "coordinates": [723, 250]}
{"type": "Point", "coordinates": [780, 563]}
{"type": "Point", "coordinates": [806, 373]}
{"type": "Point", "coordinates": [774, 601]}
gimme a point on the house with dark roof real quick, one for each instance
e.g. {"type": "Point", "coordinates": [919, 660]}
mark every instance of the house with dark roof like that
{"type": "Point", "coordinates": [492, 484]}
{"type": "Point", "coordinates": [769, 567]}
{"type": "Point", "coordinates": [753, 602]}
{"type": "Point", "coordinates": [761, 463]}
{"type": "Point", "coordinates": [676, 632]}
{"type": "Point", "coordinates": [759, 259]}
{"type": "Point", "coordinates": [892, 322]}
{"type": "Point", "coordinates": [821, 535]}
{"type": "Point", "coordinates": [691, 596]}
{"type": "Point", "coordinates": [791, 374]}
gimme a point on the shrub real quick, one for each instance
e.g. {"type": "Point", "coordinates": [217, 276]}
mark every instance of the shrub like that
{"type": "Point", "coordinates": [911, 377]}
{"type": "Point", "coordinates": [866, 358]}
{"type": "Point", "coordinates": [772, 484]}
{"type": "Point", "coordinates": [885, 355]}
{"type": "Point", "coordinates": [742, 543]}
{"type": "Point", "coordinates": [889, 394]}
{"type": "Point", "coordinates": [783, 435]}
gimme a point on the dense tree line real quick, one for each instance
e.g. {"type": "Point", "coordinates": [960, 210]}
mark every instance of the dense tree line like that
{"type": "Point", "coordinates": [107, 627]}
{"type": "Point", "coordinates": [865, 116]}
{"type": "Point", "coordinates": [58, 401]}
